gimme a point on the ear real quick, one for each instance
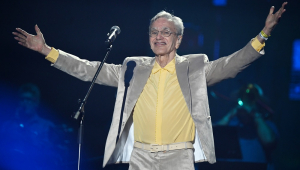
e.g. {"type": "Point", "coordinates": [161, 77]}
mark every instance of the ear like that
{"type": "Point", "coordinates": [178, 42]}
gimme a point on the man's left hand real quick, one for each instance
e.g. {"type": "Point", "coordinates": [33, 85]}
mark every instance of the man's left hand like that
{"type": "Point", "coordinates": [273, 19]}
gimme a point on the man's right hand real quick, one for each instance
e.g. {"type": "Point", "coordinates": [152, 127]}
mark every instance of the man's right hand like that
{"type": "Point", "coordinates": [33, 42]}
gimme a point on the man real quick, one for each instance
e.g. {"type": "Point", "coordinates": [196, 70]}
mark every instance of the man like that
{"type": "Point", "coordinates": [26, 137]}
{"type": "Point", "coordinates": [257, 134]}
{"type": "Point", "coordinates": [167, 96]}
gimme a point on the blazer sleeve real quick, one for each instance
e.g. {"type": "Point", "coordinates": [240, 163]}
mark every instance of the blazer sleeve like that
{"type": "Point", "coordinates": [230, 66]}
{"type": "Point", "coordinates": [85, 70]}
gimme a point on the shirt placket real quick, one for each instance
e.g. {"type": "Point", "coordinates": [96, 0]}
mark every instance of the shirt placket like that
{"type": "Point", "coordinates": [159, 106]}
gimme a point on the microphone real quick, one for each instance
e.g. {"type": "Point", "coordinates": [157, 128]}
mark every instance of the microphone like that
{"type": "Point", "coordinates": [114, 31]}
{"type": "Point", "coordinates": [129, 72]}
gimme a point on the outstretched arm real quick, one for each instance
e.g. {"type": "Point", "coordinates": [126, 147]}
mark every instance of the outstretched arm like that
{"type": "Point", "coordinates": [230, 66]}
{"type": "Point", "coordinates": [73, 65]}
{"type": "Point", "coordinates": [33, 42]}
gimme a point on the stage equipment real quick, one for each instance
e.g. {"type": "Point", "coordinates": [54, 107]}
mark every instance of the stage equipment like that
{"type": "Point", "coordinates": [114, 31]}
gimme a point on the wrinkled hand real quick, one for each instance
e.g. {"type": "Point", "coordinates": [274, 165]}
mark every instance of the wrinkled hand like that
{"type": "Point", "coordinates": [273, 19]}
{"type": "Point", "coordinates": [33, 42]}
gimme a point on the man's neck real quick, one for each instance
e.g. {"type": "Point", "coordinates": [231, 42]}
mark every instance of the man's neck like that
{"type": "Point", "coordinates": [163, 60]}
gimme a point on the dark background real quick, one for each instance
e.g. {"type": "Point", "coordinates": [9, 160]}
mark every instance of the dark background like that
{"type": "Point", "coordinates": [80, 27]}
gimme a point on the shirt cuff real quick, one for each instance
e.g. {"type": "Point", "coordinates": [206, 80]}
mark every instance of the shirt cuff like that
{"type": "Point", "coordinates": [257, 45]}
{"type": "Point", "coordinates": [53, 55]}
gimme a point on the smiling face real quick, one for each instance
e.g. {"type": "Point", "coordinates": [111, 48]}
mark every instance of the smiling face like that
{"type": "Point", "coordinates": [161, 45]}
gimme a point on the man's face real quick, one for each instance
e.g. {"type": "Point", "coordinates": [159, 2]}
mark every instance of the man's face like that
{"type": "Point", "coordinates": [161, 45]}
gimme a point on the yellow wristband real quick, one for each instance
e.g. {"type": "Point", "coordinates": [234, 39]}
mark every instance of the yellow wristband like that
{"type": "Point", "coordinates": [264, 34]}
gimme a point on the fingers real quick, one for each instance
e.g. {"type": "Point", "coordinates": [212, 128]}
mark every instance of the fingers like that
{"type": "Point", "coordinates": [22, 32]}
{"type": "Point", "coordinates": [19, 35]}
{"type": "Point", "coordinates": [283, 4]}
{"type": "Point", "coordinates": [281, 10]}
{"type": "Point", "coordinates": [282, 7]}
{"type": "Point", "coordinates": [279, 15]}
{"type": "Point", "coordinates": [23, 44]}
{"type": "Point", "coordinates": [37, 29]}
{"type": "Point", "coordinates": [20, 39]}
{"type": "Point", "coordinates": [271, 10]}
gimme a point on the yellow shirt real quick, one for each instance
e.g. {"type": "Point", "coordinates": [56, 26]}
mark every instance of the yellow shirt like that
{"type": "Point", "coordinates": [161, 115]}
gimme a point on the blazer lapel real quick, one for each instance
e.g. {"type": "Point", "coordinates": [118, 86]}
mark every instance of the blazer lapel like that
{"type": "Point", "coordinates": [140, 76]}
{"type": "Point", "coordinates": [182, 68]}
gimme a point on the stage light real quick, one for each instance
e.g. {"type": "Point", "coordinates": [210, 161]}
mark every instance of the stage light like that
{"type": "Point", "coordinates": [200, 40]}
{"type": "Point", "coordinates": [296, 55]}
{"type": "Point", "coordinates": [240, 102]}
{"type": "Point", "coordinates": [295, 72]}
{"type": "Point", "coordinates": [219, 2]}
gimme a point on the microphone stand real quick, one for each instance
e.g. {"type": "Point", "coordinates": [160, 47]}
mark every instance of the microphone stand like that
{"type": "Point", "coordinates": [122, 110]}
{"type": "Point", "coordinates": [83, 102]}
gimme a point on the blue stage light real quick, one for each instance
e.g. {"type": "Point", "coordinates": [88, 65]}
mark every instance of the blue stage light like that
{"type": "Point", "coordinates": [295, 72]}
{"type": "Point", "coordinates": [220, 2]}
{"type": "Point", "coordinates": [296, 55]}
{"type": "Point", "coordinates": [200, 40]}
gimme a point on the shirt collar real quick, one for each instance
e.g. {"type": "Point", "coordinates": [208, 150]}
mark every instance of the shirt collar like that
{"type": "Point", "coordinates": [170, 67]}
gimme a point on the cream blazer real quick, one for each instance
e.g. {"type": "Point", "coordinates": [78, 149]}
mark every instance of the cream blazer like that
{"type": "Point", "coordinates": [194, 72]}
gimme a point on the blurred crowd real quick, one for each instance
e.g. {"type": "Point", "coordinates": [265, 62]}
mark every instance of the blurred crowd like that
{"type": "Point", "coordinates": [30, 141]}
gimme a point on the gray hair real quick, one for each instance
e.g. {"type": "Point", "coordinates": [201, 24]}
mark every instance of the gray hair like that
{"type": "Point", "coordinates": [176, 20]}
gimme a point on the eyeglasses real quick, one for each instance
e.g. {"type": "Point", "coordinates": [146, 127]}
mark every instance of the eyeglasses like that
{"type": "Point", "coordinates": [162, 33]}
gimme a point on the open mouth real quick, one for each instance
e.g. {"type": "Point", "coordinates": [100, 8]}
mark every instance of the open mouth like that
{"type": "Point", "coordinates": [159, 43]}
